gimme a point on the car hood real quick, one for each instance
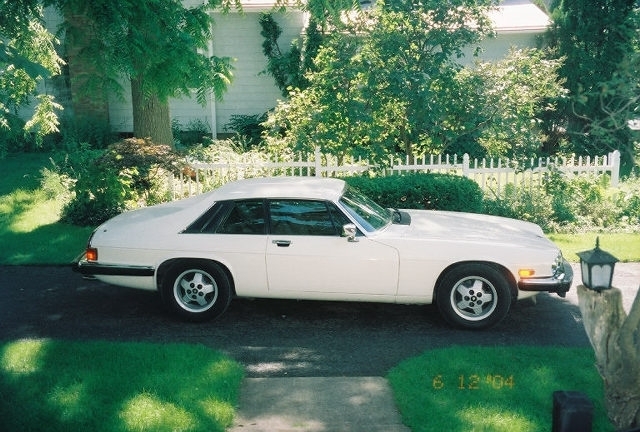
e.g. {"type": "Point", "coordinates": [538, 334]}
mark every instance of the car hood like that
{"type": "Point", "coordinates": [456, 226]}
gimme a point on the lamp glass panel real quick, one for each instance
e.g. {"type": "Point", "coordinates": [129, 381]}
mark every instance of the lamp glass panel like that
{"type": "Point", "coordinates": [600, 276]}
{"type": "Point", "coordinates": [585, 273]}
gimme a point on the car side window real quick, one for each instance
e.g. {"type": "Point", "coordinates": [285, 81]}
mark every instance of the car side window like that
{"type": "Point", "coordinates": [244, 217]}
{"type": "Point", "coordinates": [301, 217]}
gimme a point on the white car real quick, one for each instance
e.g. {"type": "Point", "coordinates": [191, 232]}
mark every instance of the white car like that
{"type": "Point", "coordinates": [320, 239]}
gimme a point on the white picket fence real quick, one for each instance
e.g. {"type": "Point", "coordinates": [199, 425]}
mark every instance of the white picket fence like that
{"type": "Point", "coordinates": [490, 174]}
{"type": "Point", "coordinates": [206, 176]}
{"type": "Point", "coordinates": [495, 174]}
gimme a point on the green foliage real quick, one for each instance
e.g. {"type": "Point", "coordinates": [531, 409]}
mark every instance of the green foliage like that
{"type": "Point", "coordinates": [161, 41]}
{"type": "Point", "coordinates": [161, 46]}
{"type": "Point", "coordinates": [571, 204]}
{"type": "Point", "coordinates": [13, 138]}
{"type": "Point", "coordinates": [289, 68]}
{"type": "Point", "coordinates": [391, 83]}
{"type": "Point", "coordinates": [74, 134]}
{"type": "Point", "coordinates": [506, 101]}
{"type": "Point", "coordinates": [248, 128]}
{"type": "Point", "coordinates": [130, 174]}
{"type": "Point", "coordinates": [27, 57]}
{"type": "Point", "coordinates": [193, 133]}
{"type": "Point", "coordinates": [422, 191]}
{"type": "Point", "coordinates": [598, 40]}
{"type": "Point", "coordinates": [30, 232]}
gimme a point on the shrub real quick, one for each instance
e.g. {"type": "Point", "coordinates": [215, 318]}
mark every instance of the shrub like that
{"type": "Point", "coordinates": [13, 137]}
{"type": "Point", "coordinates": [532, 205]}
{"type": "Point", "coordinates": [627, 199]}
{"type": "Point", "coordinates": [195, 132]}
{"type": "Point", "coordinates": [422, 191]}
{"type": "Point", "coordinates": [129, 174]}
{"type": "Point", "coordinates": [565, 203]}
{"type": "Point", "coordinates": [248, 128]}
{"type": "Point", "coordinates": [87, 131]}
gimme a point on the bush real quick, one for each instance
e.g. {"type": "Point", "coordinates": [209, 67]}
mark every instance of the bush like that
{"type": "Point", "coordinates": [565, 203]}
{"type": "Point", "coordinates": [129, 174]}
{"type": "Point", "coordinates": [532, 205]}
{"type": "Point", "coordinates": [248, 128]}
{"type": "Point", "coordinates": [13, 137]}
{"type": "Point", "coordinates": [195, 132]}
{"type": "Point", "coordinates": [422, 191]}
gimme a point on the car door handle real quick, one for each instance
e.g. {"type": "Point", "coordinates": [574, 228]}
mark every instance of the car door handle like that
{"type": "Point", "coordinates": [282, 243]}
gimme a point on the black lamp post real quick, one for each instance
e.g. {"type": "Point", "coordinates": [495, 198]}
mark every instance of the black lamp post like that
{"type": "Point", "coordinates": [596, 267]}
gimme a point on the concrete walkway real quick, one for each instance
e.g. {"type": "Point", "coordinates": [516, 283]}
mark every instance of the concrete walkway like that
{"type": "Point", "coordinates": [361, 404]}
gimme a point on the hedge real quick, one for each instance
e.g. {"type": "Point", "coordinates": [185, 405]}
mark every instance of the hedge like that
{"type": "Point", "coordinates": [422, 191]}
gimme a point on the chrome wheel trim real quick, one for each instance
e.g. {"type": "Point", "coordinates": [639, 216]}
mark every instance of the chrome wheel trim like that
{"type": "Point", "coordinates": [473, 298]}
{"type": "Point", "coordinates": [195, 290]}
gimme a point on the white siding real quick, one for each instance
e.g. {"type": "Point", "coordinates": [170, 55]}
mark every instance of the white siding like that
{"type": "Point", "coordinates": [238, 36]}
{"type": "Point", "coordinates": [497, 48]}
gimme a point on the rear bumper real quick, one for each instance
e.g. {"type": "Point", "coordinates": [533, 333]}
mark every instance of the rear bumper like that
{"type": "Point", "coordinates": [559, 283]}
{"type": "Point", "coordinates": [90, 268]}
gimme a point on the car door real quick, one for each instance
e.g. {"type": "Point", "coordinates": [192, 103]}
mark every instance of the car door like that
{"type": "Point", "coordinates": [306, 253]}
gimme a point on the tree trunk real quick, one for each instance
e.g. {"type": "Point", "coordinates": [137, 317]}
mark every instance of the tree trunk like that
{"type": "Point", "coordinates": [151, 117]}
{"type": "Point", "coordinates": [88, 97]}
{"type": "Point", "coordinates": [615, 338]}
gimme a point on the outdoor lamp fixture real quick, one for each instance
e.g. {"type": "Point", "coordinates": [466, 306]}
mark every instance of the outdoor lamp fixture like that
{"type": "Point", "coordinates": [596, 266]}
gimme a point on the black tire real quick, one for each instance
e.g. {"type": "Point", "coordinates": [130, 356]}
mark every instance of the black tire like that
{"type": "Point", "coordinates": [473, 296]}
{"type": "Point", "coordinates": [196, 291]}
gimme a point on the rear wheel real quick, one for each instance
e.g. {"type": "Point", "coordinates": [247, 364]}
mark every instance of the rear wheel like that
{"type": "Point", "coordinates": [196, 290]}
{"type": "Point", "coordinates": [473, 296]}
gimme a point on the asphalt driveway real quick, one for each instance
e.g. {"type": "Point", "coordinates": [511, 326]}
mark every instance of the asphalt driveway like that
{"type": "Point", "coordinates": [274, 338]}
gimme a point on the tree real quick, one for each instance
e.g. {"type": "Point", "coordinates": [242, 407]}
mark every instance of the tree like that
{"type": "Point", "coordinates": [390, 81]}
{"type": "Point", "coordinates": [596, 40]}
{"type": "Point", "coordinates": [27, 57]}
{"type": "Point", "coordinates": [412, 53]}
{"type": "Point", "coordinates": [159, 45]}
{"type": "Point", "coordinates": [507, 101]}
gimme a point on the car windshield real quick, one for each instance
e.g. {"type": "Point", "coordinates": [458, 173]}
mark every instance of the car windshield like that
{"type": "Point", "coordinates": [368, 213]}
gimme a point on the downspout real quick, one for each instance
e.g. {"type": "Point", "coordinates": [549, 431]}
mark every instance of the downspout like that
{"type": "Point", "coordinates": [212, 97]}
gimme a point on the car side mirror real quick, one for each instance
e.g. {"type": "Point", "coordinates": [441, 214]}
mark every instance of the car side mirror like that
{"type": "Point", "coordinates": [349, 231]}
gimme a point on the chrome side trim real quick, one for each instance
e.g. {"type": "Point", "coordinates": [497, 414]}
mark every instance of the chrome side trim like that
{"type": "Point", "coordinates": [87, 268]}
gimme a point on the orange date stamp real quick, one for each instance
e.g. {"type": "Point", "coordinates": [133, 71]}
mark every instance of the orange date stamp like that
{"type": "Point", "coordinates": [475, 382]}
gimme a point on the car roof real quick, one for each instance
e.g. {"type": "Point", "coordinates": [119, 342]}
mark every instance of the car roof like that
{"type": "Point", "coordinates": [282, 187]}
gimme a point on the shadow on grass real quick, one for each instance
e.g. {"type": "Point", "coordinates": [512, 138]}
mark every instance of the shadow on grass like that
{"type": "Point", "coordinates": [60, 386]}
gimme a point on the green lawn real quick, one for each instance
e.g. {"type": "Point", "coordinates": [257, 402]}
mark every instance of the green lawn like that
{"type": "Point", "coordinates": [493, 389]}
{"type": "Point", "coordinates": [625, 247]}
{"type": "Point", "coordinates": [48, 385]}
{"type": "Point", "coordinates": [30, 231]}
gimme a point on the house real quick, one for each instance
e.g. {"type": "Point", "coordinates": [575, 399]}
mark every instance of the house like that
{"type": "Point", "coordinates": [517, 24]}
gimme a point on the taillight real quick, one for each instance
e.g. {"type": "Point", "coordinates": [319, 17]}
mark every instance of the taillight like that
{"type": "Point", "coordinates": [91, 254]}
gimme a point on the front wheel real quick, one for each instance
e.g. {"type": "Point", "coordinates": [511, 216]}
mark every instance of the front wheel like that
{"type": "Point", "coordinates": [196, 291]}
{"type": "Point", "coordinates": [473, 296]}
